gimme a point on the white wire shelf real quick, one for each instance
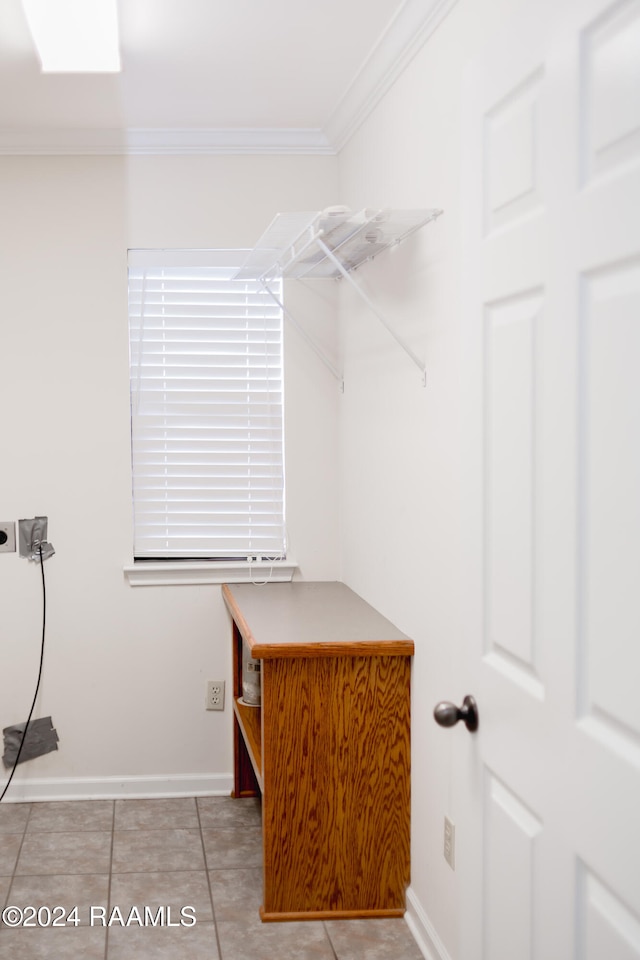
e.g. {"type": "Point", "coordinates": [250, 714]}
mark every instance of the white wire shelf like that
{"type": "Point", "coordinates": [299, 245]}
{"type": "Point", "coordinates": [331, 244]}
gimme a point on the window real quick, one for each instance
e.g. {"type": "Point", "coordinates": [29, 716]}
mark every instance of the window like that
{"type": "Point", "coordinates": [206, 408]}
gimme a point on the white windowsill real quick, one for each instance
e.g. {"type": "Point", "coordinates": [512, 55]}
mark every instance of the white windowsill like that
{"type": "Point", "coordinates": [150, 574]}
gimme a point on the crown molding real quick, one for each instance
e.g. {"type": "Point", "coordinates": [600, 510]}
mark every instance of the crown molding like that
{"type": "Point", "coordinates": [414, 23]}
{"type": "Point", "coordinates": [406, 34]}
{"type": "Point", "coordinates": [163, 142]}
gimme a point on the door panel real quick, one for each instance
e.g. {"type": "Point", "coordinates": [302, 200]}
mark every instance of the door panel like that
{"type": "Point", "coordinates": [610, 492]}
{"type": "Point", "coordinates": [607, 929]}
{"type": "Point", "coordinates": [549, 788]}
{"type": "Point", "coordinates": [510, 457]}
{"type": "Point", "coordinates": [510, 830]}
{"type": "Point", "coordinates": [512, 187]}
{"type": "Point", "coordinates": [609, 88]}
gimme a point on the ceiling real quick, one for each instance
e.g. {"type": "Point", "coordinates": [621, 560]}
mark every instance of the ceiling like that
{"type": "Point", "coordinates": [207, 76]}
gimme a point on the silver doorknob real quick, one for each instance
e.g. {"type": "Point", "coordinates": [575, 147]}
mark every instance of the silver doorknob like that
{"type": "Point", "coordinates": [447, 714]}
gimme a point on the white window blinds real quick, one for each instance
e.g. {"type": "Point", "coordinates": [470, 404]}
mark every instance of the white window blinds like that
{"type": "Point", "coordinates": [206, 408]}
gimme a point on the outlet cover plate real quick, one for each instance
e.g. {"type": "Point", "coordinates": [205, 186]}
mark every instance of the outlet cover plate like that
{"type": "Point", "coordinates": [450, 842]}
{"type": "Point", "coordinates": [8, 528]}
{"type": "Point", "coordinates": [215, 695]}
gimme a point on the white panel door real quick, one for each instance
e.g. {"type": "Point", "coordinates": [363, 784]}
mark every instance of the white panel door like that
{"type": "Point", "coordinates": [548, 790]}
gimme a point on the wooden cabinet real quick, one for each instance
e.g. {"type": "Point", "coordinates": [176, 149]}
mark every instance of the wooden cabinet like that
{"type": "Point", "coordinates": [328, 748]}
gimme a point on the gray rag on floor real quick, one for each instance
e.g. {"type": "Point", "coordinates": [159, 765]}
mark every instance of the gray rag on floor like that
{"type": "Point", "coordinates": [41, 738]}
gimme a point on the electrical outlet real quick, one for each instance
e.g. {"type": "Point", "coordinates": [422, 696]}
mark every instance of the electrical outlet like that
{"type": "Point", "coordinates": [215, 695]}
{"type": "Point", "coordinates": [7, 536]}
{"type": "Point", "coordinates": [450, 842]}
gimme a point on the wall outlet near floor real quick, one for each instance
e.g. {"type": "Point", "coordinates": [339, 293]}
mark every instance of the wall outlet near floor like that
{"type": "Point", "coordinates": [215, 695]}
{"type": "Point", "coordinates": [450, 842]}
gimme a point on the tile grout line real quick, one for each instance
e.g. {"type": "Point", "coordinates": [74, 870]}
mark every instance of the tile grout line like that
{"type": "Point", "coordinates": [113, 833]}
{"type": "Point", "coordinates": [12, 875]}
{"type": "Point", "coordinates": [328, 935]}
{"type": "Point", "coordinates": [24, 836]}
{"type": "Point", "coordinates": [206, 870]}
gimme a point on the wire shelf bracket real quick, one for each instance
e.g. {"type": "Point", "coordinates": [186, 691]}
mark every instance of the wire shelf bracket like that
{"type": "Point", "coordinates": [401, 343]}
{"type": "Point", "coordinates": [305, 336]}
{"type": "Point", "coordinates": [332, 244]}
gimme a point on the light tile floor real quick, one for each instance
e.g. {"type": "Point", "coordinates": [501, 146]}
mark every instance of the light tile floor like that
{"type": "Point", "coordinates": [203, 853]}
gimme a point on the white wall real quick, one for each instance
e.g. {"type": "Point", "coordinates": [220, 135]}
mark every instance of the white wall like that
{"type": "Point", "coordinates": [400, 493]}
{"type": "Point", "coordinates": [125, 668]}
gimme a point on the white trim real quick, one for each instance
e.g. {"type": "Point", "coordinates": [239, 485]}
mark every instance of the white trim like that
{"type": "Point", "coordinates": [149, 573]}
{"type": "Point", "coordinates": [423, 931]}
{"type": "Point", "coordinates": [164, 141]}
{"type": "Point", "coordinates": [404, 37]}
{"type": "Point", "coordinates": [131, 788]}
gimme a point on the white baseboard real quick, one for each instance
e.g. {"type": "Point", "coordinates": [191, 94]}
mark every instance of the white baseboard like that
{"type": "Point", "coordinates": [423, 931]}
{"type": "Point", "coordinates": [128, 788]}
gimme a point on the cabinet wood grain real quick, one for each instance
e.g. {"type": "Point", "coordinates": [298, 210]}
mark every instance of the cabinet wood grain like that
{"type": "Point", "coordinates": [330, 750]}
